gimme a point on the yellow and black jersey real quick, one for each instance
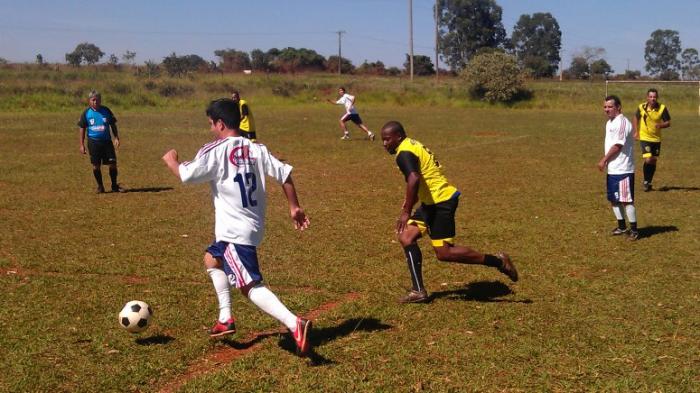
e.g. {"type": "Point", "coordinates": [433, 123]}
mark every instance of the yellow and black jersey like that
{"type": "Point", "coordinates": [247, 121]}
{"type": "Point", "coordinates": [412, 156]}
{"type": "Point", "coordinates": [647, 118]}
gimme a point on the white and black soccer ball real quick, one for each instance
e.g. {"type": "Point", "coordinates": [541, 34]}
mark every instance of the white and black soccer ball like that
{"type": "Point", "coordinates": [135, 316]}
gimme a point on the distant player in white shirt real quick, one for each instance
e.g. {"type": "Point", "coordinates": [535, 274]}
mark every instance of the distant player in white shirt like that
{"type": "Point", "coordinates": [235, 169]}
{"type": "Point", "coordinates": [348, 102]}
{"type": "Point", "coordinates": [619, 161]}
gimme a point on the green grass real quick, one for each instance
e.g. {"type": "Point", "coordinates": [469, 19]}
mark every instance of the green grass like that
{"type": "Point", "coordinates": [591, 312]}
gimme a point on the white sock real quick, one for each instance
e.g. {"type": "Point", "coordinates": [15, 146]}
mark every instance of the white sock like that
{"type": "Point", "coordinates": [223, 293]}
{"type": "Point", "coordinates": [262, 297]}
{"type": "Point", "coordinates": [617, 209]}
{"type": "Point", "coordinates": [631, 212]}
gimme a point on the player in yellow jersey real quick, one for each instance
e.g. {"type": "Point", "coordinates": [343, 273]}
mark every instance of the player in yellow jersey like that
{"type": "Point", "coordinates": [247, 126]}
{"type": "Point", "coordinates": [650, 118]}
{"type": "Point", "coordinates": [436, 214]}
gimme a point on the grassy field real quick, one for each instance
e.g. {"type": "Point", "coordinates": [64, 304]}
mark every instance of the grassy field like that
{"type": "Point", "coordinates": [591, 312]}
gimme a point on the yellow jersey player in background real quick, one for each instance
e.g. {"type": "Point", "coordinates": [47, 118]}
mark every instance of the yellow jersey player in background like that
{"type": "Point", "coordinates": [436, 214]}
{"type": "Point", "coordinates": [650, 118]}
{"type": "Point", "coordinates": [247, 126]}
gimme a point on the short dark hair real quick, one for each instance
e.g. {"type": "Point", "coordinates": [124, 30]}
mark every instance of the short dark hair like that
{"type": "Point", "coordinates": [615, 99]}
{"type": "Point", "coordinates": [226, 110]}
{"type": "Point", "coordinates": [395, 126]}
{"type": "Point", "coordinates": [342, 88]}
{"type": "Point", "coordinates": [653, 90]}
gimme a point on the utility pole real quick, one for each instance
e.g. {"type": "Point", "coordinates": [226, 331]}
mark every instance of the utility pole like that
{"type": "Point", "coordinates": [410, 35]}
{"type": "Point", "coordinates": [340, 58]}
{"type": "Point", "coordinates": [437, 40]}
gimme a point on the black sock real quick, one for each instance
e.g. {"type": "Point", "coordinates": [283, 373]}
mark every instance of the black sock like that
{"type": "Point", "coordinates": [649, 170]}
{"type": "Point", "coordinates": [414, 258]}
{"type": "Point", "coordinates": [621, 224]}
{"type": "Point", "coordinates": [113, 176]}
{"type": "Point", "coordinates": [98, 177]}
{"type": "Point", "coordinates": [633, 226]}
{"type": "Point", "coordinates": [492, 260]}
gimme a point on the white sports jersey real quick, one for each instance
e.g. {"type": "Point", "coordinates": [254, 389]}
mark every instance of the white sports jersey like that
{"type": "Point", "coordinates": [235, 168]}
{"type": "Point", "coordinates": [618, 131]}
{"type": "Point", "coordinates": [349, 102]}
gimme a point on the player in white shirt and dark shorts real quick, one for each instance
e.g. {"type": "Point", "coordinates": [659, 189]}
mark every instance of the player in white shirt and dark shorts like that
{"type": "Point", "coordinates": [235, 169]}
{"type": "Point", "coordinates": [619, 161]}
{"type": "Point", "coordinates": [348, 101]}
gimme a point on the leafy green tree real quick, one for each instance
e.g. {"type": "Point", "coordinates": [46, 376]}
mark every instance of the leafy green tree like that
{"type": "Point", "coordinates": [84, 52]}
{"type": "Point", "coordinates": [39, 59]}
{"type": "Point", "coordinates": [661, 53]}
{"type": "Point", "coordinates": [181, 65]}
{"type": "Point", "coordinates": [579, 68]}
{"type": "Point", "coordinates": [465, 26]}
{"type": "Point", "coordinates": [632, 74]}
{"type": "Point", "coordinates": [296, 60]}
{"type": "Point", "coordinates": [374, 68]}
{"type": "Point", "coordinates": [152, 69]}
{"type": "Point", "coordinates": [536, 41]}
{"type": "Point", "coordinates": [422, 65]}
{"type": "Point", "coordinates": [259, 60]}
{"type": "Point", "coordinates": [3, 61]}
{"type": "Point", "coordinates": [690, 64]}
{"type": "Point", "coordinates": [346, 66]}
{"type": "Point", "coordinates": [493, 77]}
{"type": "Point", "coordinates": [601, 67]}
{"type": "Point", "coordinates": [233, 60]}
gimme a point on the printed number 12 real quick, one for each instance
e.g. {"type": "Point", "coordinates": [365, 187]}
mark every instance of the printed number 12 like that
{"type": "Point", "coordinates": [249, 185]}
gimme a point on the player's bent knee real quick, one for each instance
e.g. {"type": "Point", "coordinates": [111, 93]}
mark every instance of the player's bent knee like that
{"type": "Point", "coordinates": [210, 262]}
{"type": "Point", "coordinates": [245, 290]}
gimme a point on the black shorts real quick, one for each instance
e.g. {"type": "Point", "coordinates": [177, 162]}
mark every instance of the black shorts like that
{"type": "Point", "coordinates": [650, 149]}
{"type": "Point", "coordinates": [101, 152]}
{"type": "Point", "coordinates": [438, 219]}
{"type": "Point", "coordinates": [354, 117]}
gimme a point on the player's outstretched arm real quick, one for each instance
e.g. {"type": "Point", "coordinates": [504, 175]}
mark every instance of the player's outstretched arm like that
{"type": "Point", "coordinates": [81, 137]}
{"type": "Point", "coordinates": [301, 221]}
{"type": "Point", "coordinates": [412, 181]}
{"type": "Point", "coordinates": [171, 160]}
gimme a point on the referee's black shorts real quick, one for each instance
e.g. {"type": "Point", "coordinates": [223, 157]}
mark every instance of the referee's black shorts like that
{"type": "Point", "coordinates": [101, 152]}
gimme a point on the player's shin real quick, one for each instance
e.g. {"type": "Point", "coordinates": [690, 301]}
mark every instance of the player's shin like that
{"type": "Point", "coordinates": [414, 258]}
{"type": "Point", "coordinates": [617, 210]}
{"type": "Point", "coordinates": [262, 297]}
{"type": "Point", "coordinates": [223, 293]}
{"type": "Point", "coordinates": [631, 215]}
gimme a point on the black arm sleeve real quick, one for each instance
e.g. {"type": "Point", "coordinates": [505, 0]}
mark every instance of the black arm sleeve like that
{"type": "Point", "coordinates": [665, 116]}
{"type": "Point", "coordinates": [82, 122]}
{"type": "Point", "coordinates": [407, 162]}
{"type": "Point", "coordinates": [111, 115]}
{"type": "Point", "coordinates": [244, 110]}
{"type": "Point", "coordinates": [638, 114]}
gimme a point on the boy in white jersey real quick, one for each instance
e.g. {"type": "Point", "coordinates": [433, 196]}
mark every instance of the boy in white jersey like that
{"type": "Point", "coordinates": [350, 114]}
{"type": "Point", "coordinates": [235, 168]}
{"type": "Point", "coordinates": [619, 161]}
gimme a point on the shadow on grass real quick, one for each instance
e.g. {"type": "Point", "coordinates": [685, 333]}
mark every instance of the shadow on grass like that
{"type": "Point", "coordinates": [323, 335]}
{"type": "Point", "coordinates": [149, 189]}
{"type": "Point", "coordinates": [674, 188]}
{"type": "Point", "coordinates": [158, 339]}
{"type": "Point", "coordinates": [655, 230]}
{"type": "Point", "coordinates": [481, 291]}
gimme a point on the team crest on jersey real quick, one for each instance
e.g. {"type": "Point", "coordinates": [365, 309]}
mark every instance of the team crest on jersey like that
{"type": "Point", "coordinates": [92, 122]}
{"type": "Point", "coordinates": [240, 155]}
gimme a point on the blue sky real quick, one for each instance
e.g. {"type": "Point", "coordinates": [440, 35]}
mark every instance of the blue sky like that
{"type": "Point", "coordinates": [375, 29]}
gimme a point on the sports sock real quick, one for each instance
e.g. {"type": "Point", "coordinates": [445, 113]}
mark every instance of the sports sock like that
{"type": "Point", "coordinates": [98, 177]}
{"type": "Point", "coordinates": [631, 215]}
{"type": "Point", "coordinates": [649, 170]}
{"type": "Point", "coordinates": [492, 260]}
{"type": "Point", "coordinates": [414, 258]}
{"type": "Point", "coordinates": [113, 175]}
{"type": "Point", "coordinates": [222, 288]}
{"type": "Point", "coordinates": [262, 297]}
{"type": "Point", "coordinates": [617, 210]}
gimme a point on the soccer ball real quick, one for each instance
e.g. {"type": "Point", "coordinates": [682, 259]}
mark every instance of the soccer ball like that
{"type": "Point", "coordinates": [135, 315]}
